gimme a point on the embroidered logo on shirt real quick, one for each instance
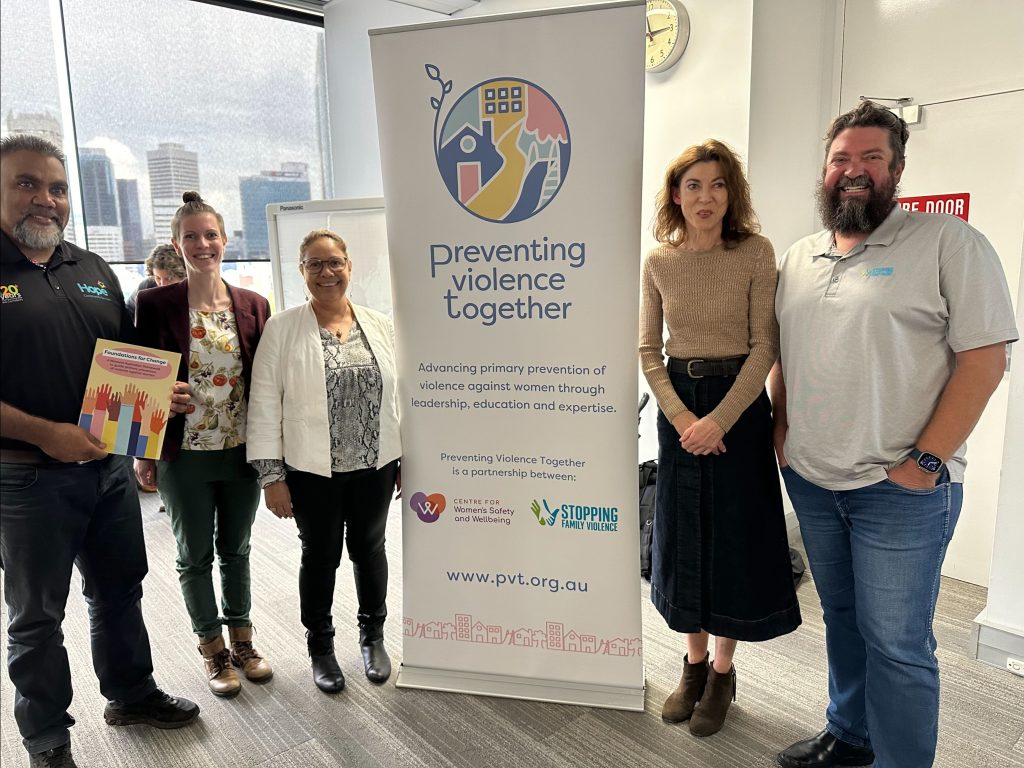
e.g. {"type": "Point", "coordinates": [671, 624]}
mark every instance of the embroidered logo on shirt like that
{"type": "Point", "coordinates": [10, 294]}
{"type": "Point", "coordinates": [878, 272]}
{"type": "Point", "coordinates": [99, 290]}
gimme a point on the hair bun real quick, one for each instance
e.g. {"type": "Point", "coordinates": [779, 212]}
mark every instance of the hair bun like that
{"type": "Point", "coordinates": [191, 197]}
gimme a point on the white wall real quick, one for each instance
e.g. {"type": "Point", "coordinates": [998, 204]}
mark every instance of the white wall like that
{"type": "Point", "coordinates": [940, 51]}
{"type": "Point", "coordinates": [791, 105]}
{"type": "Point", "coordinates": [1006, 587]}
{"type": "Point", "coordinates": [354, 143]}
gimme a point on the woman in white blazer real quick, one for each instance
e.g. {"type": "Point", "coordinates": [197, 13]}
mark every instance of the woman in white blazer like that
{"type": "Point", "coordinates": [323, 435]}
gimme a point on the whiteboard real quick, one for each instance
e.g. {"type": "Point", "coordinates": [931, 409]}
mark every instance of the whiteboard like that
{"type": "Point", "coordinates": [359, 221]}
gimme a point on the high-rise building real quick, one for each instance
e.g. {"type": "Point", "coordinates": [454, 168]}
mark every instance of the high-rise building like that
{"type": "Point", "coordinates": [131, 219]}
{"type": "Point", "coordinates": [99, 189]}
{"type": "Point", "coordinates": [42, 124]}
{"type": "Point", "coordinates": [105, 241]}
{"type": "Point", "coordinates": [290, 184]}
{"type": "Point", "coordinates": [172, 171]}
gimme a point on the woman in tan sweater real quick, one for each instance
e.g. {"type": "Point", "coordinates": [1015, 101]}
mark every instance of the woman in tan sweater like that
{"type": "Point", "coordinates": [720, 552]}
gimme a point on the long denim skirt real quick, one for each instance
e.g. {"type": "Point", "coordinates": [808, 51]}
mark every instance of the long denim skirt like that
{"type": "Point", "coordinates": [720, 555]}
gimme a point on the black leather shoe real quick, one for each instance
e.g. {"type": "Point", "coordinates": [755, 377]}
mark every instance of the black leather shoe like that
{"type": "Point", "coordinates": [58, 757]}
{"type": "Point", "coordinates": [376, 661]}
{"type": "Point", "coordinates": [327, 673]}
{"type": "Point", "coordinates": [157, 709]}
{"type": "Point", "coordinates": [824, 751]}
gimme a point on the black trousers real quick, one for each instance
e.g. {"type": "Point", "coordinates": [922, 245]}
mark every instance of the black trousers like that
{"type": "Point", "coordinates": [50, 518]}
{"type": "Point", "coordinates": [346, 508]}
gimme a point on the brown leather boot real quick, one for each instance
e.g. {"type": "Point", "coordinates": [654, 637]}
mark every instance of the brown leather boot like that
{"type": "Point", "coordinates": [244, 656]}
{"type": "Point", "coordinates": [709, 717]}
{"type": "Point", "coordinates": [223, 680]}
{"type": "Point", "coordinates": [680, 703]}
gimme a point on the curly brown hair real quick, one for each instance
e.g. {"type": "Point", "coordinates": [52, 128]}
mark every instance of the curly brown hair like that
{"type": "Point", "coordinates": [740, 221]}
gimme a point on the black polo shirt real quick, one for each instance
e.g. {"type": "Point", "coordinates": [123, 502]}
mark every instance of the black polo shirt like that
{"type": "Point", "coordinates": [50, 318]}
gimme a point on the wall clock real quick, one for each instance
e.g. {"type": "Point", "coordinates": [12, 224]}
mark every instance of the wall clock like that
{"type": "Point", "coordinates": [666, 35]}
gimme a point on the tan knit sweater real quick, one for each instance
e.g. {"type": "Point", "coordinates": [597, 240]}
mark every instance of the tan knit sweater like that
{"type": "Point", "coordinates": [717, 303]}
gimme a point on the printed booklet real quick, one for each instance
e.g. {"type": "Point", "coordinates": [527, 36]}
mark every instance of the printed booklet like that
{"type": "Point", "coordinates": [128, 397]}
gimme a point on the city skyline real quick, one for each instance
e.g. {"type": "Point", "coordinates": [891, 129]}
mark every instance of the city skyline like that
{"type": "Point", "coordinates": [135, 87]}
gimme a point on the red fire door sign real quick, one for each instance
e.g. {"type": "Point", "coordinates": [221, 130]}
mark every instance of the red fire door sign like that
{"type": "Point", "coordinates": [955, 204]}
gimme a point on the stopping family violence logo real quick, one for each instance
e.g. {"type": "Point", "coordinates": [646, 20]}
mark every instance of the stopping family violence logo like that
{"type": "Point", "coordinates": [503, 149]}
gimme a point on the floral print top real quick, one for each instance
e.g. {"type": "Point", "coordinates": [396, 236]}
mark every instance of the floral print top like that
{"type": "Point", "coordinates": [215, 419]}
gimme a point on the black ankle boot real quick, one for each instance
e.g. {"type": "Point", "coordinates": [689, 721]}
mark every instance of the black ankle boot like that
{"type": "Point", "coordinates": [327, 672]}
{"type": "Point", "coordinates": [376, 661]}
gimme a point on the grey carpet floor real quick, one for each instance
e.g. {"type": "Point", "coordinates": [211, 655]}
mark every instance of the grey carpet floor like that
{"type": "Point", "coordinates": [288, 723]}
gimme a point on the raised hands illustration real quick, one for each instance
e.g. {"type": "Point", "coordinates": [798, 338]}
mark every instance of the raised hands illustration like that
{"type": "Point", "coordinates": [102, 396]}
{"type": "Point", "coordinates": [114, 406]}
{"type": "Point", "coordinates": [89, 401]}
{"type": "Point", "coordinates": [131, 393]}
{"type": "Point", "coordinates": [156, 423]}
{"type": "Point", "coordinates": [140, 406]}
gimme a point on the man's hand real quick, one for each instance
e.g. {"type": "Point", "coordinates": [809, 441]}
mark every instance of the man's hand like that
{"type": "Point", "coordinates": [703, 437]}
{"type": "Point", "coordinates": [69, 442]}
{"type": "Point", "coordinates": [180, 397]}
{"type": "Point", "coordinates": [279, 499]}
{"type": "Point", "coordinates": [779, 441]}
{"type": "Point", "coordinates": [909, 475]}
{"type": "Point", "coordinates": [145, 472]}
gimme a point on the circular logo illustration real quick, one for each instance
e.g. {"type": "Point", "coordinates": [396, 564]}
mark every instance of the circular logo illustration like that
{"type": "Point", "coordinates": [503, 149]}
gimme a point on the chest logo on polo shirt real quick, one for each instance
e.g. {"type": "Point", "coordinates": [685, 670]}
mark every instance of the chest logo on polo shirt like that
{"type": "Point", "coordinates": [878, 272]}
{"type": "Point", "coordinates": [10, 294]}
{"type": "Point", "coordinates": [99, 290]}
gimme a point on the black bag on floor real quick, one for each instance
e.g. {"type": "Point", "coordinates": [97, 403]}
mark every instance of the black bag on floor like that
{"type": "Point", "coordinates": [648, 483]}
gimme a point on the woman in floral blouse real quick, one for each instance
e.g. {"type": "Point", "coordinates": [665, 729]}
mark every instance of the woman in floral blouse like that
{"type": "Point", "coordinates": [211, 493]}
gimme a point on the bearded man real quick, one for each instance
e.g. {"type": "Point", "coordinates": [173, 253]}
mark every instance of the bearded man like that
{"type": "Point", "coordinates": [893, 328]}
{"type": "Point", "coordinates": [64, 500]}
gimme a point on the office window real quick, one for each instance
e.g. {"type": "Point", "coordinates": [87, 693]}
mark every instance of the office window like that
{"type": "Point", "coordinates": [30, 98]}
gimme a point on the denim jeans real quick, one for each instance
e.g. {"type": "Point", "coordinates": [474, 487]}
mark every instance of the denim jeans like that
{"type": "Point", "coordinates": [50, 518]}
{"type": "Point", "coordinates": [875, 554]}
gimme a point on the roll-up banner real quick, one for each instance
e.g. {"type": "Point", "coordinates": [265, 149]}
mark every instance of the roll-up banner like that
{"type": "Point", "coordinates": [512, 150]}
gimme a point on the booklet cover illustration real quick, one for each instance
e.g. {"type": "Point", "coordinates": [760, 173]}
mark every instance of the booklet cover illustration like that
{"type": "Point", "coordinates": [128, 397]}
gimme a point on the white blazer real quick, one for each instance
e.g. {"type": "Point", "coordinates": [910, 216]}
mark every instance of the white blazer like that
{"type": "Point", "coordinates": [288, 416]}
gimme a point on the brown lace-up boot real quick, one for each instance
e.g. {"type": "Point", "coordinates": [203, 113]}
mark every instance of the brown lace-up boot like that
{"type": "Point", "coordinates": [719, 694]}
{"type": "Point", "coordinates": [223, 680]}
{"type": "Point", "coordinates": [244, 656]}
{"type": "Point", "coordinates": [680, 703]}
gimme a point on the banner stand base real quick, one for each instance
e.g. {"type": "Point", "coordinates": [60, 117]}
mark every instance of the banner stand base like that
{"type": "Point", "coordinates": [531, 689]}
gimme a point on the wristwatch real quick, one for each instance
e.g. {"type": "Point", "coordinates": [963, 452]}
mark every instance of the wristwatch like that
{"type": "Point", "coordinates": [928, 462]}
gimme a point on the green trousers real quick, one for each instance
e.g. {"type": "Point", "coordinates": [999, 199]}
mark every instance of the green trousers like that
{"type": "Point", "coordinates": [211, 499]}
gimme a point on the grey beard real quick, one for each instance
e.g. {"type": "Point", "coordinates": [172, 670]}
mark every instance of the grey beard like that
{"type": "Point", "coordinates": [37, 238]}
{"type": "Point", "coordinates": [853, 216]}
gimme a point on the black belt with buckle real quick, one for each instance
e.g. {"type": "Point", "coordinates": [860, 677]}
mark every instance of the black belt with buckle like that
{"type": "Point", "coordinates": [698, 367]}
{"type": "Point", "coordinates": [27, 457]}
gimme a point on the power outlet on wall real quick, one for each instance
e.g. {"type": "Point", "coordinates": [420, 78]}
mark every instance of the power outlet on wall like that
{"type": "Point", "coordinates": [1016, 666]}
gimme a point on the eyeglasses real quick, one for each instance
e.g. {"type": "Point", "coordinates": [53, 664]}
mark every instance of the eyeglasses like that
{"type": "Point", "coordinates": [316, 266]}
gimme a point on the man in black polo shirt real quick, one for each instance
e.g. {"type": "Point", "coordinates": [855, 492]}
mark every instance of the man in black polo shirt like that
{"type": "Point", "coordinates": [63, 499]}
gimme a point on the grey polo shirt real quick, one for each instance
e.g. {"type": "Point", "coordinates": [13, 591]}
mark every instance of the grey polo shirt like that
{"type": "Point", "coordinates": [868, 340]}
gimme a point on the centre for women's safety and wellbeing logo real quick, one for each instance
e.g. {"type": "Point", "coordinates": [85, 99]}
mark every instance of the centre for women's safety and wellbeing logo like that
{"type": "Point", "coordinates": [503, 148]}
{"type": "Point", "coordinates": [428, 508]}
